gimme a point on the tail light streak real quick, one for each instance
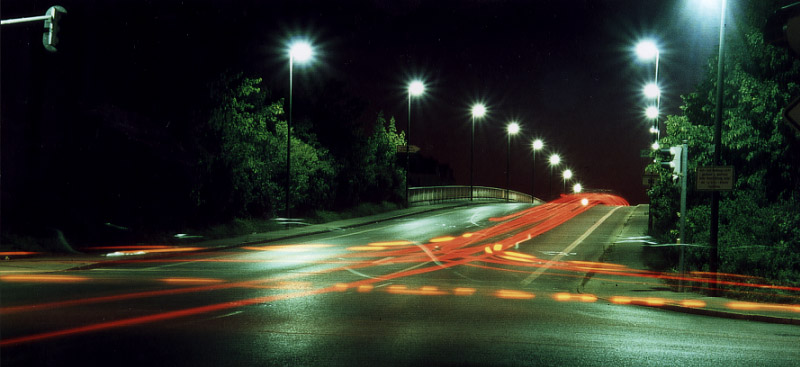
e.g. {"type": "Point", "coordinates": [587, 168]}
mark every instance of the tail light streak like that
{"type": "Point", "coordinates": [470, 249]}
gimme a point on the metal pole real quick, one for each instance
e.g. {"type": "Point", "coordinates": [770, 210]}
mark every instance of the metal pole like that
{"type": "Point", "coordinates": [408, 145]}
{"type": "Point", "coordinates": [289, 138]}
{"type": "Point", "coordinates": [471, 158]}
{"type": "Point", "coordinates": [658, 99]}
{"type": "Point", "coordinates": [508, 164]}
{"type": "Point", "coordinates": [714, 227]}
{"type": "Point", "coordinates": [684, 178]}
{"type": "Point", "coordinates": [25, 20]}
{"type": "Point", "coordinates": [533, 175]}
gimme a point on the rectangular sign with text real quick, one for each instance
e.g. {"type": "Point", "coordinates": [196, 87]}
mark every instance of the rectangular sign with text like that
{"type": "Point", "coordinates": [715, 178]}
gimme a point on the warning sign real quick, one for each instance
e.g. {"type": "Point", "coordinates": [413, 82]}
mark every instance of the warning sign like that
{"type": "Point", "coordinates": [715, 178]}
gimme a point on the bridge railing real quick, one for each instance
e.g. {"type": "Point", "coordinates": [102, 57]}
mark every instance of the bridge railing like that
{"type": "Point", "coordinates": [436, 194]}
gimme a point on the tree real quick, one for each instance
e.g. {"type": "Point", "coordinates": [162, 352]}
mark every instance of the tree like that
{"type": "Point", "coordinates": [385, 175]}
{"type": "Point", "coordinates": [243, 158]}
{"type": "Point", "coordinates": [758, 219]}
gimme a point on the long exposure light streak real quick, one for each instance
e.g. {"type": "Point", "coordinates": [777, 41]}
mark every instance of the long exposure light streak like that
{"type": "Point", "coordinates": [377, 262]}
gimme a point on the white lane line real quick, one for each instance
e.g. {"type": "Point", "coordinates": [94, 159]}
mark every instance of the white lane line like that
{"type": "Point", "coordinates": [567, 250]}
{"type": "Point", "coordinates": [226, 315]}
{"type": "Point", "coordinates": [361, 274]}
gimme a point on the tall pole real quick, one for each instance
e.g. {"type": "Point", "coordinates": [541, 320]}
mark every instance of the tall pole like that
{"type": "Point", "coordinates": [658, 99]}
{"type": "Point", "coordinates": [684, 178]}
{"type": "Point", "coordinates": [471, 157]}
{"type": "Point", "coordinates": [508, 164]}
{"type": "Point", "coordinates": [289, 138]}
{"type": "Point", "coordinates": [550, 190]}
{"type": "Point", "coordinates": [408, 144]}
{"type": "Point", "coordinates": [714, 227]}
{"type": "Point", "coordinates": [533, 175]}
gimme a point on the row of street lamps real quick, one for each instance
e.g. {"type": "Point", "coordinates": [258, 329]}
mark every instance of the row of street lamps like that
{"type": "Point", "coordinates": [647, 50]}
{"type": "Point", "coordinates": [513, 128]}
{"type": "Point", "coordinates": [302, 52]}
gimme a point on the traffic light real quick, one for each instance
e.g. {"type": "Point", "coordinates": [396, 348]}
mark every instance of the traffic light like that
{"type": "Point", "coordinates": [50, 36]}
{"type": "Point", "coordinates": [675, 163]}
{"type": "Point", "coordinates": [677, 160]}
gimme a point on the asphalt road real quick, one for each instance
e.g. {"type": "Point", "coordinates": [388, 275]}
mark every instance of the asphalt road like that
{"type": "Point", "coordinates": [463, 286]}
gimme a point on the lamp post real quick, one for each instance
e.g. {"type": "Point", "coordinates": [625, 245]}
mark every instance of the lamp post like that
{"type": "Point", "coordinates": [577, 188]}
{"type": "Point", "coordinates": [299, 51]}
{"type": "Point", "coordinates": [415, 89]}
{"type": "Point", "coordinates": [478, 111]}
{"type": "Point", "coordinates": [513, 129]}
{"type": "Point", "coordinates": [714, 227]}
{"type": "Point", "coordinates": [536, 145]}
{"type": "Point", "coordinates": [567, 175]}
{"type": "Point", "coordinates": [647, 50]}
{"type": "Point", "coordinates": [554, 161]}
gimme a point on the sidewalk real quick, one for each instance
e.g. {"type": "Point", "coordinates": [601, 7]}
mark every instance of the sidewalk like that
{"type": "Point", "coordinates": [47, 263]}
{"type": "Point", "coordinates": [628, 288]}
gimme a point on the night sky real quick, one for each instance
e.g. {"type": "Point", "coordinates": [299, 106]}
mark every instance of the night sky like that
{"type": "Point", "coordinates": [564, 69]}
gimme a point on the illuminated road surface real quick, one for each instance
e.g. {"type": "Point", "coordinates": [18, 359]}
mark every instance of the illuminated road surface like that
{"type": "Point", "coordinates": [487, 285]}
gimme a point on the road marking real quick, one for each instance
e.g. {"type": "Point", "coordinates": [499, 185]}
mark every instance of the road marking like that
{"type": "Point", "coordinates": [567, 250]}
{"type": "Point", "coordinates": [226, 315]}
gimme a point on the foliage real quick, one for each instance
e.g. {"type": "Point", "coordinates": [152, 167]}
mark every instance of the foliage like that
{"type": "Point", "coordinates": [759, 219]}
{"type": "Point", "coordinates": [242, 163]}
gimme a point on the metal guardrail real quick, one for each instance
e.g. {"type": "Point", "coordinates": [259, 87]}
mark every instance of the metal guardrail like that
{"type": "Point", "coordinates": [436, 194]}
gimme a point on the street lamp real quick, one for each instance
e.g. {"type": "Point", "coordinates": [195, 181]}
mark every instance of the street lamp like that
{"type": "Point", "coordinates": [554, 161]}
{"type": "Point", "coordinates": [537, 144]}
{"type": "Point", "coordinates": [415, 89]}
{"type": "Point", "coordinates": [652, 113]}
{"type": "Point", "coordinates": [646, 51]}
{"type": "Point", "coordinates": [577, 188]}
{"type": "Point", "coordinates": [652, 91]}
{"type": "Point", "coordinates": [299, 51]}
{"type": "Point", "coordinates": [513, 129]}
{"type": "Point", "coordinates": [714, 227]}
{"type": "Point", "coordinates": [567, 175]}
{"type": "Point", "coordinates": [478, 111]}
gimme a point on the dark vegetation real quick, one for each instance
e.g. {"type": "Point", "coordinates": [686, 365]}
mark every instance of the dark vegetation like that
{"type": "Point", "coordinates": [759, 232]}
{"type": "Point", "coordinates": [128, 178]}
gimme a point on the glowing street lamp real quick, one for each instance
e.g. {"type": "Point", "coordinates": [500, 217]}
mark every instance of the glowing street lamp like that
{"type": "Point", "coordinates": [577, 188]}
{"type": "Point", "coordinates": [646, 51]}
{"type": "Point", "coordinates": [513, 129]}
{"type": "Point", "coordinates": [554, 161]}
{"type": "Point", "coordinates": [415, 89]}
{"type": "Point", "coordinates": [537, 144]}
{"type": "Point", "coordinates": [478, 111]}
{"type": "Point", "coordinates": [567, 175]}
{"type": "Point", "coordinates": [301, 52]}
{"type": "Point", "coordinates": [652, 91]}
{"type": "Point", "coordinates": [652, 113]}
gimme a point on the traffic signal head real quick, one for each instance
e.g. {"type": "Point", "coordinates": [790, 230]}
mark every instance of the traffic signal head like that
{"type": "Point", "coordinates": [675, 163]}
{"type": "Point", "coordinates": [50, 37]}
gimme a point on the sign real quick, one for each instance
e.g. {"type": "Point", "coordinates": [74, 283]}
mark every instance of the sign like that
{"type": "Point", "coordinates": [407, 149]}
{"type": "Point", "coordinates": [715, 178]}
{"type": "Point", "coordinates": [792, 113]}
{"type": "Point", "coordinates": [649, 178]}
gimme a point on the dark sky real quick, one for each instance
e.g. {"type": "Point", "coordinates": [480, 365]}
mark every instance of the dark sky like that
{"type": "Point", "coordinates": [564, 69]}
